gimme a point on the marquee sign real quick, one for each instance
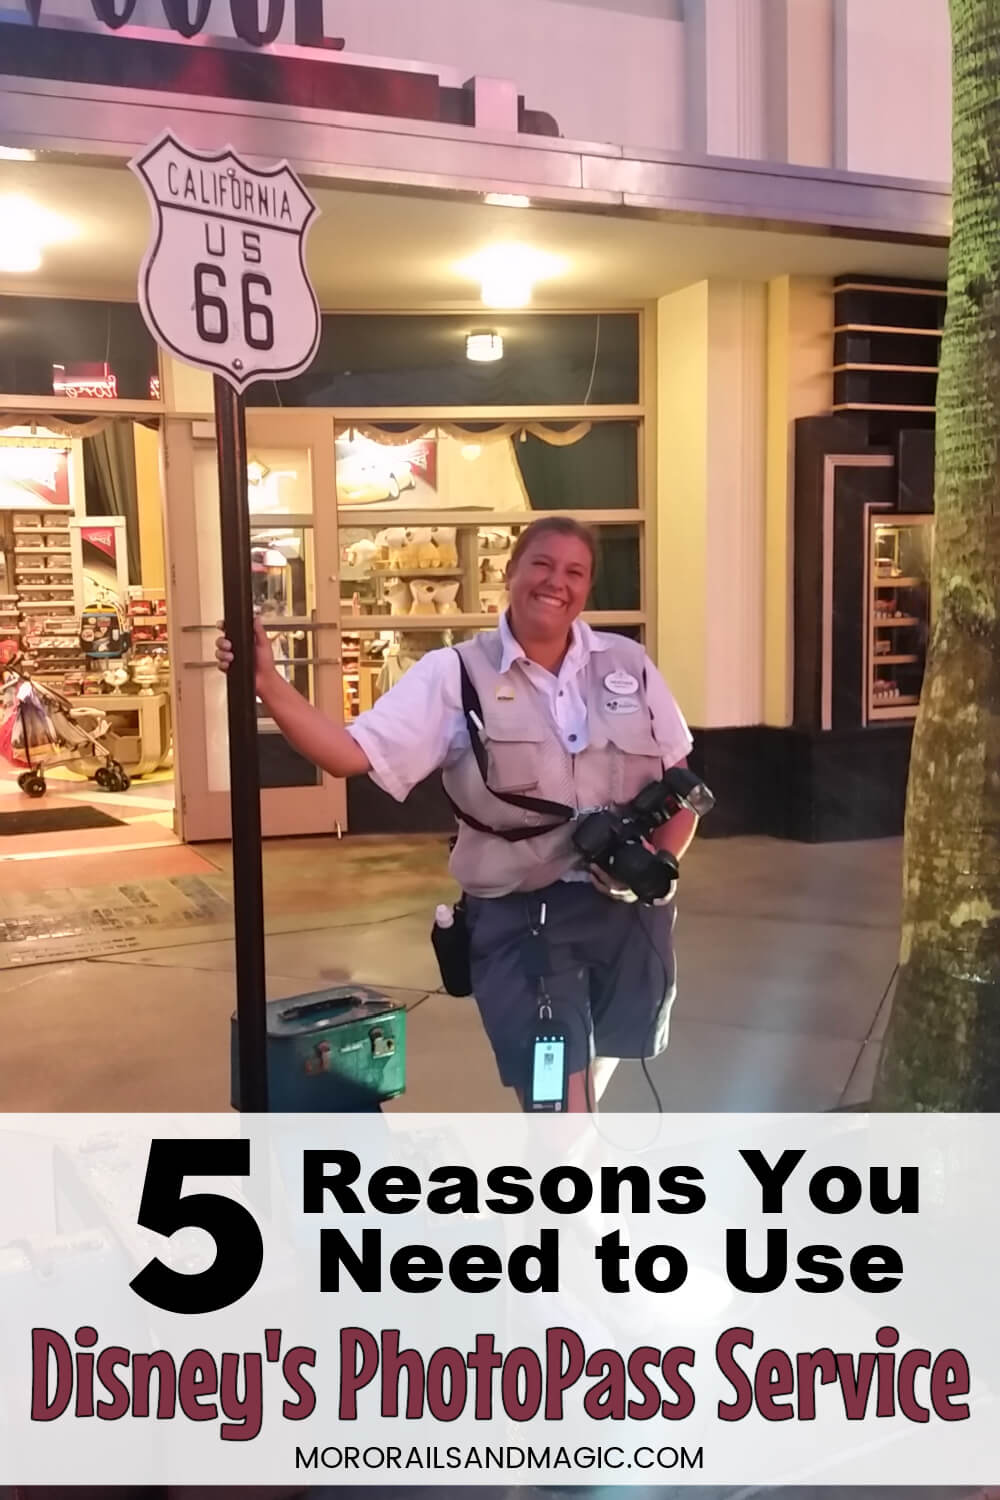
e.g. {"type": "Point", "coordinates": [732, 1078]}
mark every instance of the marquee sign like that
{"type": "Point", "coordinates": [188, 18]}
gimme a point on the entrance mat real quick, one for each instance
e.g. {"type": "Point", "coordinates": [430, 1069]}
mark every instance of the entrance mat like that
{"type": "Point", "coordinates": [61, 819]}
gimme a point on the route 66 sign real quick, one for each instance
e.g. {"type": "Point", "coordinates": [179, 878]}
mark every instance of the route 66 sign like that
{"type": "Point", "coordinates": [224, 284]}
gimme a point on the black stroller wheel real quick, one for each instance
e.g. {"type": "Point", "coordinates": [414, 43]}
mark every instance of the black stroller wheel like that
{"type": "Point", "coordinates": [105, 779]}
{"type": "Point", "coordinates": [24, 778]}
{"type": "Point", "coordinates": [33, 784]}
{"type": "Point", "coordinates": [122, 779]}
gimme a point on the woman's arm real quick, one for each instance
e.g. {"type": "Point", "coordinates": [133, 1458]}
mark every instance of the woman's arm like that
{"type": "Point", "coordinates": [307, 730]}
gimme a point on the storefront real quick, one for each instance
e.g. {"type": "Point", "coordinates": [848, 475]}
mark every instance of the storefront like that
{"type": "Point", "coordinates": [636, 385]}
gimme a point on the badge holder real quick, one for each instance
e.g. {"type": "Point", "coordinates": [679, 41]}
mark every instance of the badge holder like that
{"type": "Point", "coordinates": [548, 1075]}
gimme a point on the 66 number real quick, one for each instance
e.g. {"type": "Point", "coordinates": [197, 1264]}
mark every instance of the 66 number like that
{"type": "Point", "coordinates": [211, 311]}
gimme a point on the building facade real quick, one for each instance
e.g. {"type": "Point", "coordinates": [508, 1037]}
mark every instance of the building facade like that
{"type": "Point", "coordinates": [707, 239]}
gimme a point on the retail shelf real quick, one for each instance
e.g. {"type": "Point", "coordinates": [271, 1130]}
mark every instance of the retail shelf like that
{"type": "Point", "coordinates": [890, 291]}
{"type": "Point", "coordinates": [42, 551]}
{"type": "Point", "coordinates": [879, 406]}
{"type": "Point", "coordinates": [893, 661]}
{"type": "Point", "coordinates": [917, 333]}
{"type": "Point", "coordinates": [870, 369]}
{"type": "Point", "coordinates": [905, 701]}
{"type": "Point", "coordinates": [416, 573]}
{"type": "Point", "coordinates": [897, 583]}
{"type": "Point", "coordinates": [890, 623]}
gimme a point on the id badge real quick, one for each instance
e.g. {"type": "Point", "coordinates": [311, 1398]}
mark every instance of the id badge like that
{"type": "Point", "coordinates": [548, 1076]}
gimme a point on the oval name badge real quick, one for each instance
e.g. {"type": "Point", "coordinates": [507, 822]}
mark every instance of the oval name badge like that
{"type": "Point", "coordinates": [621, 682]}
{"type": "Point", "coordinates": [621, 706]}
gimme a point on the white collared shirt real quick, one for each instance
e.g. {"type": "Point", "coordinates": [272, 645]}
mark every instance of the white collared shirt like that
{"type": "Point", "coordinates": [419, 726]}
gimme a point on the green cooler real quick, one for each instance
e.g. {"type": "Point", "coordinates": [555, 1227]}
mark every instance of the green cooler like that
{"type": "Point", "coordinates": [335, 1050]}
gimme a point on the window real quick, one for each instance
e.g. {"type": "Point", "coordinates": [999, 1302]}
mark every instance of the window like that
{"type": "Point", "coordinates": [419, 360]}
{"type": "Point", "coordinates": [64, 347]}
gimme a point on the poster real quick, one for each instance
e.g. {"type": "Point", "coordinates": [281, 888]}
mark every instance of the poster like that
{"type": "Point", "coordinates": [33, 474]}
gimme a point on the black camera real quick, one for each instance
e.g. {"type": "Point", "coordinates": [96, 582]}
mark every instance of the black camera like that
{"type": "Point", "coordinates": [612, 838]}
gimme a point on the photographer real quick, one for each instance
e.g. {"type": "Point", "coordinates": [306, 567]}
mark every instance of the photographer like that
{"type": "Point", "coordinates": [526, 723]}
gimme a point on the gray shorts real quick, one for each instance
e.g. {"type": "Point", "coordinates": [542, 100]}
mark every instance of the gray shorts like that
{"type": "Point", "coordinates": [611, 975]}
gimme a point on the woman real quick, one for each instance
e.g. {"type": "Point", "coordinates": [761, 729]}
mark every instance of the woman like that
{"type": "Point", "coordinates": [541, 715]}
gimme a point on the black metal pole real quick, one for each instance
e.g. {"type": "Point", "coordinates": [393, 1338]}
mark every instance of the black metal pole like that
{"type": "Point", "coordinates": [244, 775]}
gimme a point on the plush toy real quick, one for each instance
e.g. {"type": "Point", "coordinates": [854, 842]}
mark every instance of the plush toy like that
{"type": "Point", "coordinates": [360, 554]}
{"type": "Point", "coordinates": [395, 542]}
{"type": "Point", "coordinates": [409, 552]}
{"type": "Point", "coordinates": [445, 598]}
{"type": "Point", "coordinates": [398, 594]}
{"type": "Point", "coordinates": [423, 591]}
{"type": "Point", "coordinates": [447, 550]}
{"type": "Point", "coordinates": [494, 541]}
{"type": "Point", "coordinates": [421, 551]}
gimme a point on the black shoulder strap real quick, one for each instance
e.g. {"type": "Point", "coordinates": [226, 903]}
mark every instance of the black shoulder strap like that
{"type": "Point", "coordinates": [472, 708]}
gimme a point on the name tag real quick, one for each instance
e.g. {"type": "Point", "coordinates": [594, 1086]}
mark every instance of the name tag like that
{"type": "Point", "coordinates": [621, 682]}
{"type": "Point", "coordinates": [621, 706]}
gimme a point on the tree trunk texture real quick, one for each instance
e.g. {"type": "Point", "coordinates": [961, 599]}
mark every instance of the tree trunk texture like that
{"type": "Point", "coordinates": [942, 1050]}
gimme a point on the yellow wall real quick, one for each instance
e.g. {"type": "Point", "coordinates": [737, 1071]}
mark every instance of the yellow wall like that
{"type": "Point", "coordinates": [186, 391]}
{"type": "Point", "coordinates": [148, 483]}
{"type": "Point", "coordinates": [800, 384]}
{"type": "Point", "coordinates": [682, 480]}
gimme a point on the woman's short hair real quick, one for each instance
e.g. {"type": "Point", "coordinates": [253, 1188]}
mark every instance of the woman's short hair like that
{"type": "Point", "coordinates": [555, 526]}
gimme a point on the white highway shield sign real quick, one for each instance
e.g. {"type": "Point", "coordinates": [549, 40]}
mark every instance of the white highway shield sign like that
{"type": "Point", "coordinates": [224, 284]}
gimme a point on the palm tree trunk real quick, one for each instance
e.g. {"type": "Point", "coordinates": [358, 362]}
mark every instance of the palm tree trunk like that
{"type": "Point", "coordinates": [942, 1051]}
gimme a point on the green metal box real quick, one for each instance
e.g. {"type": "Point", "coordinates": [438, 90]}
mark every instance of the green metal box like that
{"type": "Point", "coordinates": [341, 1049]}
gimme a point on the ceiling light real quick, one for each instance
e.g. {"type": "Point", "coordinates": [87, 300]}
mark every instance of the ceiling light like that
{"type": "Point", "coordinates": [507, 200]}
{"type": "Point", "coordinates": [484, 347]}
{"type": "Point", "coordinates": [470, 452]}
{"type": "Point", "coordinates": [16, 153]}
{"type": "Point", "coordinates": [256, 471]}
{"type": "Point", "coordinates": [507, 273]}
{"type": "Point", "coordinates": [19, 255]}
{"type": "Point", "coordinates": [33, 228]}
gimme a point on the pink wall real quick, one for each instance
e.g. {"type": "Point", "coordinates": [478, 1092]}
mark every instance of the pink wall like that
{"type": "Point", "coordinates": [893, 88]}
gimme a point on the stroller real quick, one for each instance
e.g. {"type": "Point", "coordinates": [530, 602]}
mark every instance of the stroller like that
{"type": "Point", "coordinates": [39, 729]}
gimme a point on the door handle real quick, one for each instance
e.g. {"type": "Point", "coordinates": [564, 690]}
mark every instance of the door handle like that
{"type": "Point", "coordinates": [283, 626]}
{"type": "Point", "coordinates": [279, 661]}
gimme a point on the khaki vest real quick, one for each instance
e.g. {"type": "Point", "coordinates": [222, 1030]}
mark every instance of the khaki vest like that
{"type": "Point", "coordinates": [526, 756]}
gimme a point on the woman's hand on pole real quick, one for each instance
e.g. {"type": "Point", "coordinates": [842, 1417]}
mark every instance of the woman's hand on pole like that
{"type": "Point", "coordinates": [263, 657]}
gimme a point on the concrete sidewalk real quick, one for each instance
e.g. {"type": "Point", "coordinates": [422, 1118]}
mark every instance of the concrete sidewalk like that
{"type": "Point", "coordinates": [785, 955]}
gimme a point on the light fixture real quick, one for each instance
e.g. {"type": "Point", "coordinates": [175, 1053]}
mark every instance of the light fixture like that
{"type": "Point", "coordinates": [507, 200]}
{"type": "Point", "coordinates": [484, 347]}
{"type": "Point", "coordinates": [28, 229]}
{"type": "Point", "coordinates": [470, 452]}
{"type": "Point", "coordinates": [507, 273]}
{"type": "Point", "coordinates": [256, 471]}
{"type": "Point", "coordinates": [16, 153]}
{"type": "Point", "coordinates": [19, 256]}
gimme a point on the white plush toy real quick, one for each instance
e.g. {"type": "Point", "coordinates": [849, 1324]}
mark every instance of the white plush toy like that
{"type": "Point", "coordinates": [360, 554]}
{"type": "Point", "coordinates": [395, 541]}
{"type": "Point", "coordinates": [445, 598]}
{"type": "Point", "coordinates": [447, 549]}
{"type": "Point", "coordinates": [423, 597]}
{"type": "Point", "coordinates": [398, 594]}
{"type": "Point", "coordinates": [409, 557]}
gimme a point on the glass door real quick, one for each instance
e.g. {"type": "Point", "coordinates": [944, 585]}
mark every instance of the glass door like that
{"type": "Point", "coordinates": [293, 524]}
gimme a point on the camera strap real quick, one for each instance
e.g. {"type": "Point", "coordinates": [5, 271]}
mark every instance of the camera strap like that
{"type": "Point", "coordinates": [472, 708]}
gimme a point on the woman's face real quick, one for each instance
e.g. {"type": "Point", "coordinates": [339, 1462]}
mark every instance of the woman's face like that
{"type": "Point", "coordinates": [549, 584]}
